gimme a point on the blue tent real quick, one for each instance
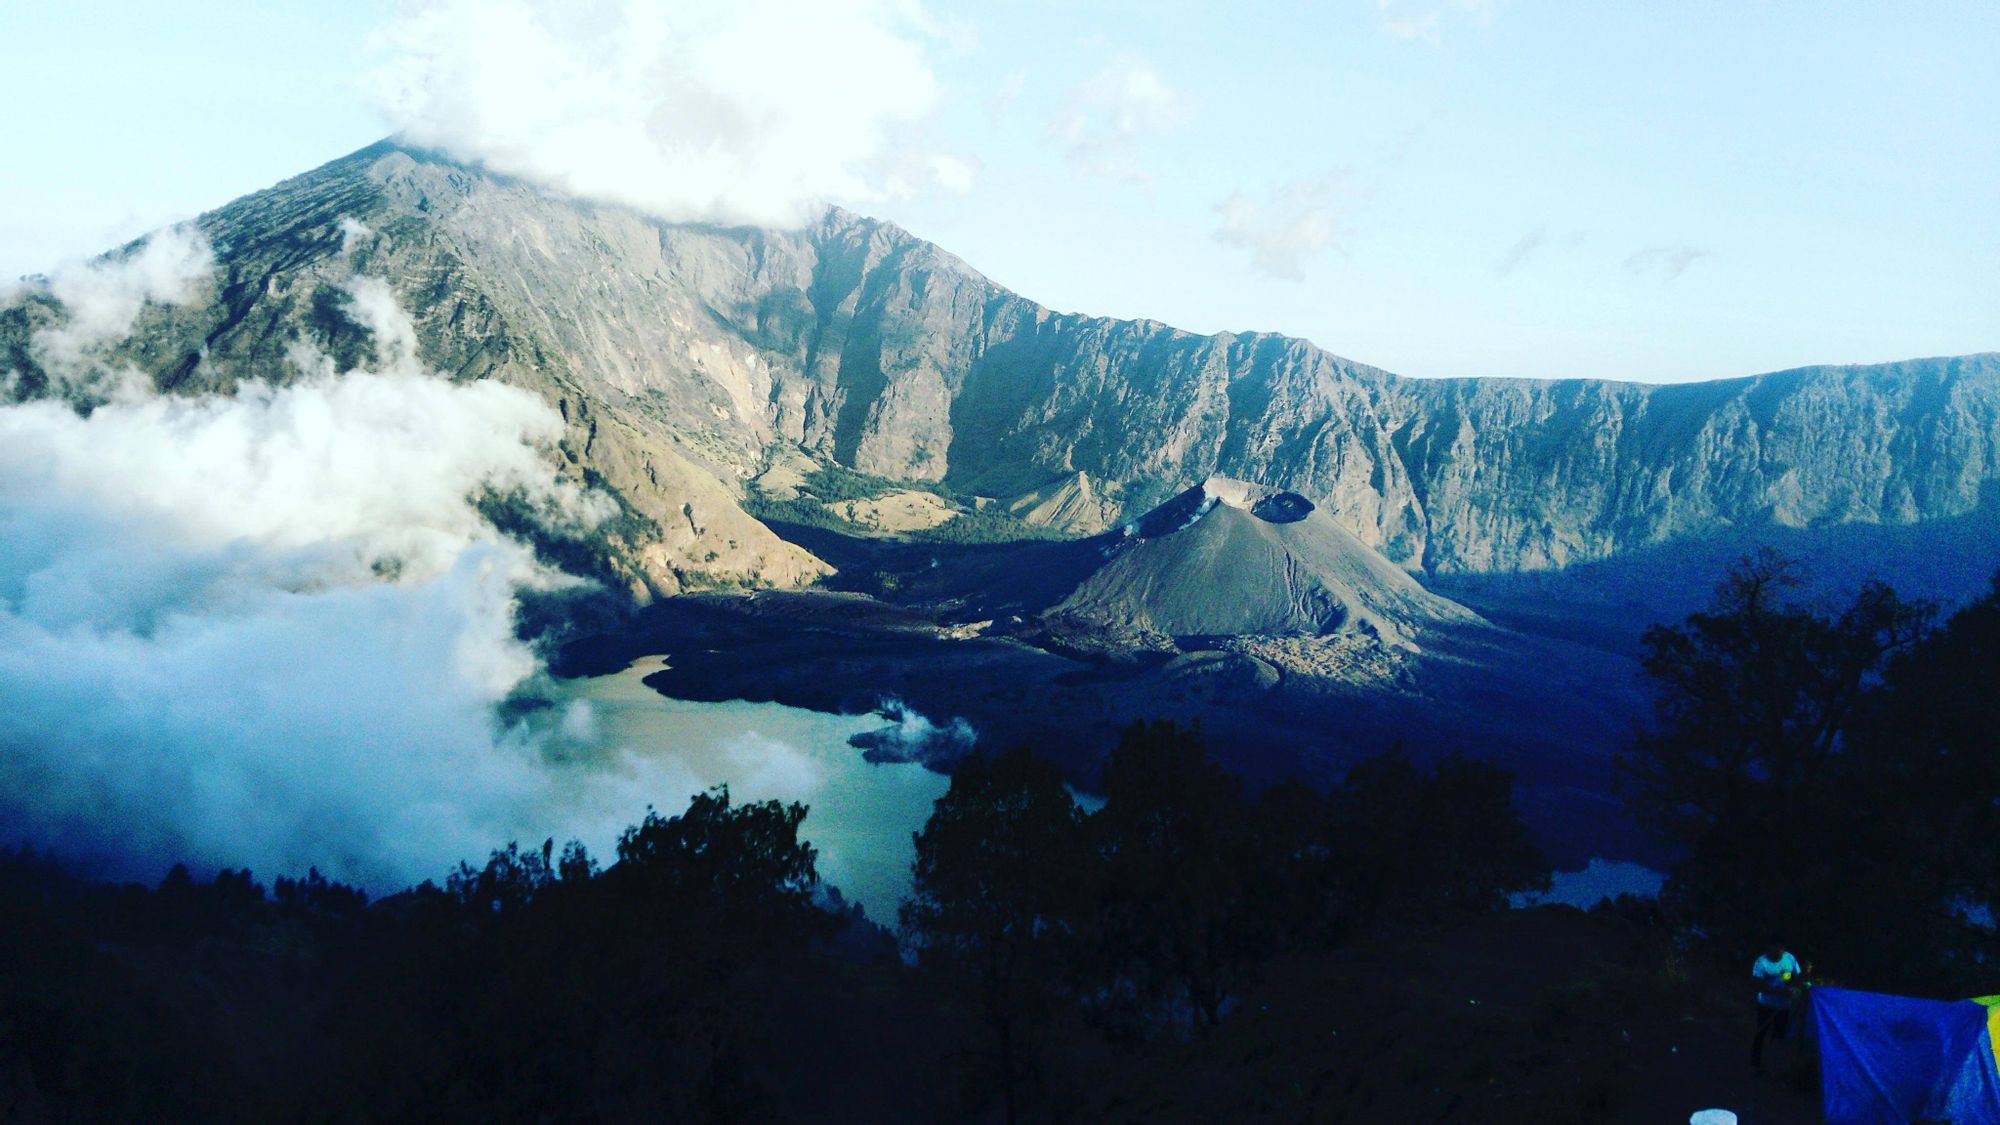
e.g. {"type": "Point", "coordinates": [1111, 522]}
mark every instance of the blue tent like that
{"type": "Point", "coordinates": [1894, 1060]}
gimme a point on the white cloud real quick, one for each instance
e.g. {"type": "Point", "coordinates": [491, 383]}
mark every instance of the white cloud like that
{"type": "Point", "coordinates": [953, 174]}
{"type": "Point", "coordinates": [753, 111]}
{"type": "Point", "coordinates": [271, 628]}
{"type": "Point", "coordinates": [373, 305]}
{"type": "Point", "coordinates": [913, 737]}
{"type": "Point", "coordinates": [1426, 20]}
{"type": "Point", "coordinates": [1286, 226]}
{"type": "Point", "coordinates": [352, 233]}
{"type": "Point", "coordinates": [382, 463]}
{"type": "Point", "coordinates": [102, 297]}
{"type": "Point", "coordinates": [1102, 120]}
{"type": "Point", "coordinates": [1663, 262]}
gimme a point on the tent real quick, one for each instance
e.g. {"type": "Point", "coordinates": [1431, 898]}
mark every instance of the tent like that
{"type": "Point", "coordinates": [1895, 1060]}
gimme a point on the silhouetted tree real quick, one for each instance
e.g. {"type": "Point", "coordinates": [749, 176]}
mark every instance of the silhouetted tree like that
{"type": "Point", "coordinates": [1743, 764]}
{"type": "Point", "coordinates": [738, 870]}
{"type": "Point", "coordinates": [1299, 872]}
{"type": "Point", "coordinates": [999, 882]}
{"type": "Point", "coordinates": [509, 881]}
{"type": "Point", "coordinates": [315, 893]}
{"type": "Point", "coordinates": [1752, 696]}
{"type": "Point", "coordinates": [1177, 916]}
{"type": "Point", "coordinates": [1916, 825]}
{"type": "Point", "coordinates": [536, 988]}
{"type": "Point", "coordinates": [1423, 846]}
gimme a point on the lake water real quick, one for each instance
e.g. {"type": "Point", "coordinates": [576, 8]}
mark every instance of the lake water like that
{"type": "Point", "coordinates": [861, 816]}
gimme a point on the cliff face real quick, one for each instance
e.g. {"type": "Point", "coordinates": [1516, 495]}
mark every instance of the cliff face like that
{"type": "Point", "coordinates": [685, 358]}
{"type": "Point", "coordinates": [506, 282]}
{"type": "Point", "coordinates": [1514, 475]}
{"type": "Point", "coordinates": [947, 376]}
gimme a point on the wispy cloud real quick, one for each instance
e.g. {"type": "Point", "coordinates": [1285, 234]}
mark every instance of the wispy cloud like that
{"type": "Point", "coordinates": [353, 232]}
{"type": "Point", "coordinates": [1007, 94]}
{"type": "Point", "coordinates": [1427, 20]}
{"type": "Point", "coordinates": [100, 300]}
{"type": "Point", "coordinates": [1533, 244]}
{"type": "Point", "coordinates": [733, 110]}
{"type": "Point", "coordinates": [1102, 120]}
{"type": "Point", "coordinates": [1521, 251]}
{"type": "Point", "coordinates": [1286, 225]}
{"type": "Point", "coordinates": [1664, 262]}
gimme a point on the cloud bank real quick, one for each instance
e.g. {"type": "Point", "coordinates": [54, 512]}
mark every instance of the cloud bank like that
{"type": "Point", "coordinates": [271, 628]}
{"type": "Point", "coordinates": [739, 111]}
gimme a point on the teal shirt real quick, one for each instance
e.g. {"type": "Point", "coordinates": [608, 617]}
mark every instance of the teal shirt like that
{"type": "Point", "coordinates": [1773, 990]}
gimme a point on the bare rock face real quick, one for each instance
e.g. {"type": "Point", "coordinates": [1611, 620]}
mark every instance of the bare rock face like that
{"type": "Point", "coordinates": [506, 282]}
{"type": "Point", "coordinates": [1071, 503]}
{"type": "Point", "coordinates": [688, 359]}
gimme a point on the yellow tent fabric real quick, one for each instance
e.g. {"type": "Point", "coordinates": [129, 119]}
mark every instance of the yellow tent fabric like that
{"type": "Point", "coordinates": [1992, 1004]}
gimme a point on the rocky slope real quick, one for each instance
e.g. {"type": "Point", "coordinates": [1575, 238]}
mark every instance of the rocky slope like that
{"type": "Point", "coordinates": [688, 359]}
{"type": "Point", "coordinates": [1226, 558]}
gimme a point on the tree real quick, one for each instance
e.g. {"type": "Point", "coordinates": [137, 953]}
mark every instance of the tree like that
{"type": "Point", "coordinates": [535, 985]}
{"type": "Point", "coordinates": [1742, 765]}
{"type": "Point", "coordinates": [1925, 768]}
{"type": "Point", "coordinates": [1297, 871]}
{"type": "Point", "coordinates": [999, 880]}
{"type": "Point", "coordinates": [512, 879]}
{"type": "Point", "coordinates": [1178, 917]}
{"type": "Point", "coordinates": [720, 880]}
{"type": "Point", "coordinates": [1751, 697]}
{"type": "Point", "coordinates": [1424, 846]}
{"type": "Point", "coordinates": [694, 902]}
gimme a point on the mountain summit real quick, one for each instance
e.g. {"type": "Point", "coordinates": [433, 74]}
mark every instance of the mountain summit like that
{"type": "Point", "coordinates": [687, 359]}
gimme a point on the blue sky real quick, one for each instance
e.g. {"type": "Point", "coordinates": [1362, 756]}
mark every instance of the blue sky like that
{"type": "Point", "coordinates": [1460, 187]}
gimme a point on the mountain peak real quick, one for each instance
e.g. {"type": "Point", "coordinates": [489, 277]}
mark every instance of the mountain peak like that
{"type": "Point", "coordinates": [686, 358]}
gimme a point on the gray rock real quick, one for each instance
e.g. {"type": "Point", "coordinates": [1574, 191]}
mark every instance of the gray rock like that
{"type": "Point", "coordinates": [688, 359]}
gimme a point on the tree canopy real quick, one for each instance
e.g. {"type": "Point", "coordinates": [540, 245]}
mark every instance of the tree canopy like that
{"type": "Point", "coordinates": [1828, 775]}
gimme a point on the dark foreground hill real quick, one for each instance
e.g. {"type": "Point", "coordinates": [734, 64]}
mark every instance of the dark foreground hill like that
{"type": "Point", "coordinates": [1549, 1016]}
{"type": "Point", "coordinates": [196, 1003]}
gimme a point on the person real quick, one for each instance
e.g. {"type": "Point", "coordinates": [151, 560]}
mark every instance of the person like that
{"type": "Point", "coordinates": [1777, 975]}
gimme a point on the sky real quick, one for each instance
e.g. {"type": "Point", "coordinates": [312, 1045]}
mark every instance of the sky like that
{"type": "Point", "coordinates": [1439, 187]}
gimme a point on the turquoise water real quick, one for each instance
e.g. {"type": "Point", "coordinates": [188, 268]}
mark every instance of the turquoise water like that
{"type": "Point", "coordinates": [861, 816]}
